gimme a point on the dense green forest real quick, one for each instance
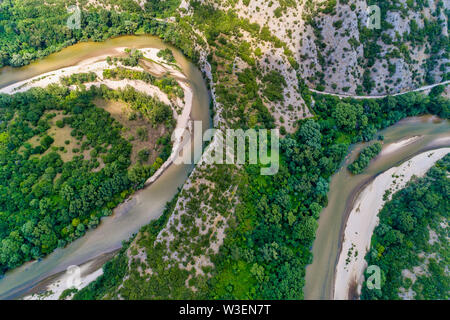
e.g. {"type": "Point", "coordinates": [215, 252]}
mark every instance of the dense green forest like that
{"type": "Point", "coordinates": [403, 241]}
{"type": "Point", "coordinates": [78, 78]}
{"type": "Point", "coordinates": [47, 202]}
{"type": "Point", "coordinates": [167, 55]}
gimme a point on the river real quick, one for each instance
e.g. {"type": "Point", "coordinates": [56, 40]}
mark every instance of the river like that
{"type": "Point", "coordinates": [432, 133]}
{"type": "Point", "coordinates": [144, 206]}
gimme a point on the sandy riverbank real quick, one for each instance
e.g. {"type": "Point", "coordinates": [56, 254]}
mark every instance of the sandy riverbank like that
{"type": "Point", "coordinates": [182, 125]}
{"type": "Point", "coordinates": [96, 64]}
{"type": "Point", "coordinates": [66, 280]}
{"type": "Point", "coordinates": [363, 219]}
{"type": "Point", "coordinates": [390, 148]}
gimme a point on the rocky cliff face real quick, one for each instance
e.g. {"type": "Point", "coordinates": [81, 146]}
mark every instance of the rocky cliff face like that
{"type": "Point", "coordinates": [336, 51]}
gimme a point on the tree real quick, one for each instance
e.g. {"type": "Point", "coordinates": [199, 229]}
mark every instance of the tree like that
{"type": "Point", "coordinates": [305, 229]}
{"type": "Point", "coordinates": [347, 115]}
{"type": "Point", "coordinates": [309, 134]}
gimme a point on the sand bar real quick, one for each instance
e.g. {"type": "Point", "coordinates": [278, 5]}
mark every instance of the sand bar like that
{"type": "Point", "coordinates": [363, 219]}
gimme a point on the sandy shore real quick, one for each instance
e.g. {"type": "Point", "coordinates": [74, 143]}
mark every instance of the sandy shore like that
{"type": "Point", "coordinates": [441, 140]}
{"type": "Point", "coordinates": [182, 125]}
{"type": "Point", "coordinates": [63, 282]}
{"type": "Point", "coordinates": [390, 148]}
{"type": "Point", "coordinates": [96, 64]}
{"type": "Point", "coordinates": [364, 218]}
{"type": "Point", "coordinates": [152, 53]}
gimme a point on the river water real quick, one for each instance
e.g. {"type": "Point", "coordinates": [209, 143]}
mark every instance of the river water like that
{"type": "Point", "coordinates": [344, 188]}
{"type": "Point", "coordinates": [144, 206]}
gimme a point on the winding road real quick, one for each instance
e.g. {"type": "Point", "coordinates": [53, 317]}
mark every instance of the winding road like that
{"type": "Point", "coordinates": [341, 95]}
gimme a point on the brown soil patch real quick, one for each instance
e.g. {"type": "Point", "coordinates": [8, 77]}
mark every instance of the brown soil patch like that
{"type": "Point", "coordinates": [121, 112]}
{"type": "Point", "coordinates": [60, 136]}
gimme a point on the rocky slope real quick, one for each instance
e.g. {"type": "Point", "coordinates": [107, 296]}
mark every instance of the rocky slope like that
{"type": "Point", "coordinates": [338, 53]}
